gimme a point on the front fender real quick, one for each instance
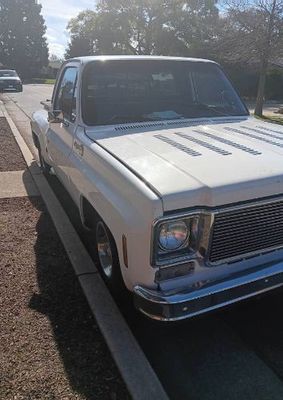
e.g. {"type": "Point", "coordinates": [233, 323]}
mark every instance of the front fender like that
{"type": "Point", "coordinates": [123, 201]}
{"type": "Point", "coordinates": [39, 126]}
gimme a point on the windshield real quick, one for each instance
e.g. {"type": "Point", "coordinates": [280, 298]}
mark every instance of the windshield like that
{"type": "Point", "coordinates": [125, 91]}
{"type": "Point", "coordinates": [8, 73]}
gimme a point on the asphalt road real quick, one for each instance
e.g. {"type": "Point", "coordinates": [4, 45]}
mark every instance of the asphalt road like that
{"type": "Point", "coordinates": [233, 354]}
{"type": "Point", "coordinates": [29, 100]}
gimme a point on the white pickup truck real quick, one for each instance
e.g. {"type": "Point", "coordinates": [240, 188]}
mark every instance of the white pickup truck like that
{"type": "Point", "coordinates": [181, 187]}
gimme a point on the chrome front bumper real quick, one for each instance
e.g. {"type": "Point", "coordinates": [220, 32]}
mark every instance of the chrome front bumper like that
{"type": "Point", "coordinates": [186, 303]}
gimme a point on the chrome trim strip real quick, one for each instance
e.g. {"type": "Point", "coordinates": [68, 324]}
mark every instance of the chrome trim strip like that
{"type": "Point", "coordinates": [248, 204]}
{"type": "Point", "coordinates": [226, 304]}
{"type": "Point", "coordinates": [147, 299]}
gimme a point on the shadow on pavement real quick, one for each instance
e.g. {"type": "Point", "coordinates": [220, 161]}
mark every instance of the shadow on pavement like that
{"type": "Point", "coordinates": [87, 362]}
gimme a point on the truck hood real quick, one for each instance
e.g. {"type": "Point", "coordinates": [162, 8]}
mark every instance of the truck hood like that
{"type": "Point", "coordinates": [204, 163]}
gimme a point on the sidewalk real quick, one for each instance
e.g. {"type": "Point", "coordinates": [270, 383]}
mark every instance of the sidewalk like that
{"type": "Point", "coordinates": [50, 345]}
{"type": "Point", "coordinates": [15, 179]}
{"type": "Point", "coordinates": [270, 108]}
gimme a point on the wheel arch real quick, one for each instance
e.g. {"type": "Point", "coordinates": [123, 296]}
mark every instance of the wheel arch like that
{"type": "Point", "coordinates": [89, 217]}
{"type": "Point", "coordinates": [88, 213]}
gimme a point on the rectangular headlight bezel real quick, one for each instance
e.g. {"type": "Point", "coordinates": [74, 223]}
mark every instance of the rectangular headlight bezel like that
{"type": "Point", "coordinates": [200, 219]}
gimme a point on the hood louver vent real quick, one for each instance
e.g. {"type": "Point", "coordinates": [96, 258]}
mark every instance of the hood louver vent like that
{"type": "Point", "coordinates": [262, 133]}
{"type": "Point", "coordinates": [178, 146]}
{"type": "Point", "coordinates": [183, 122]}
{"type": "Point", "coordinates": [165, 123]}
{"type": "Point", "coordinates": [229, 142]}
{"type": "Point", "coordinates": [254, 136]}
{"type": "Point", "coordinates": [140, 126]}
{"type": "Point", "coordinates": [204, 144]}
{"type": "Point", "coordinates": [269, 130]}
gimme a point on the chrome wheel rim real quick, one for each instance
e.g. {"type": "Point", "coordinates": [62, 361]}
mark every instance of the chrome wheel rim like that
{"type": "Point", "coordinates": [104, 250]}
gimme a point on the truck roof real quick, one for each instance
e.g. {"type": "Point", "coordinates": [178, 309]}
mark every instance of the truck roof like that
{"type": "Point", "coordinates": [87, 59]}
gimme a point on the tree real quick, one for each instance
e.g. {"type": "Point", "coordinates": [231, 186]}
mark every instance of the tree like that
{"type": "Point", "coordinates": [55, 58]}
{"type": "Point", "coordinates": [252, 32]}
{"type": "Point", "coordinates": [82, 33]}
{"type": "Point", "coordinates": [134, 26]}
{"type": "Point", "coordinates": [195, 23]}
{"type": "Point", "coordinates": [168, 27]}
{"type": "Point", "coordinates": [22, 42]}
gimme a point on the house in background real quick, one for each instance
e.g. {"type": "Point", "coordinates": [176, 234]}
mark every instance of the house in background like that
{"type": "Point", "coordinates": [53, 67]}
{"type": "Point", "coordinates": [278, 63]}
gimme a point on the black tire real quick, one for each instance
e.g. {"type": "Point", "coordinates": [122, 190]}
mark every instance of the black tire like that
{"type": "Point", "coordinates": [113, 277]}
{"type": "Point", "coordinates": [45, 168]}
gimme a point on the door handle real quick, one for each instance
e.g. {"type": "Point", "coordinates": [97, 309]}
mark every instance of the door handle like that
{"type": "Point", "coordinates": [79, 148]}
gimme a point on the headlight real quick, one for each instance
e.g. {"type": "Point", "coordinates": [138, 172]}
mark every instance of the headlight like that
{"type": "Point", "coordinates": [175, 239]}
{"type": "Point", "coordinates": [173, 235]}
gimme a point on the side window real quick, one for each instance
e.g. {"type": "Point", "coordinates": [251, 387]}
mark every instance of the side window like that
{"type": "Point", "coordinates": [66, 94]}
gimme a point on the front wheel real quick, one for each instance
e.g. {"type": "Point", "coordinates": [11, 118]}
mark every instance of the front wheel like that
{"type": "Point", "coordinates": [45, 168]}
{"type": "Point", "coordinates": [107, 258]}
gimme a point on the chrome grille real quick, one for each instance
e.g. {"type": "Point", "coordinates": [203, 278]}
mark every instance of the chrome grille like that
{"type": "Point", "coordinates": [241, 232]}
{"type": "Point", "coordinates": [8, 82]}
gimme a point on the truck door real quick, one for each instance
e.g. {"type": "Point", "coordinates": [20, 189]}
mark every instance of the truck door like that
{"type": "Point", "coordinates": [62, 124]}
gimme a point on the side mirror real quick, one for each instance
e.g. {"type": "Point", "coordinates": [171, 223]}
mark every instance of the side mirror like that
{"type": "Point", "coordinates": [46, 105]}
{"type": "Point", "coordinates": [55, 116]}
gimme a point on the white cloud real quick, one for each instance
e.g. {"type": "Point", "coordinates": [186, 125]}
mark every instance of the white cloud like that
{"type": "Point", "coordinates": [57, 13]}
{"type": "Point", "coordinates": [63, 9]}
{"type": "Point", "coordinates": [57, 49]}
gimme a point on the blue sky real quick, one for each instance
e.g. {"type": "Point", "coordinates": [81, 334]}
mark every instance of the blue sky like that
{"type": "Point", "coordinates": [57, 13]}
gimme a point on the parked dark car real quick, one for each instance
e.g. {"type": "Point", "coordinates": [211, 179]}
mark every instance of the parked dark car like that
{"type": "Point", "coordinates": [10, 81]}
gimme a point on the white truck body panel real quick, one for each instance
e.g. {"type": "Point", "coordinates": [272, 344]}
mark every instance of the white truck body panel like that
{"type": "Point", "coordinates": [230, 166]}
{"type": "Point", "coordinates": [134, 174]}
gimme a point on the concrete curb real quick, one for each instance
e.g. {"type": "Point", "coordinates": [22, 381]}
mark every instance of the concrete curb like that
{"type": "Point", "coordinates": [140, 378]}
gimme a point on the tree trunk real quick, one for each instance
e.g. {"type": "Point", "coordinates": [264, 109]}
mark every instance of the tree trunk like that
{"type": "Point", "coordinates": [260, 90]}
{"type": "Point", "coordinates": [264, 63]}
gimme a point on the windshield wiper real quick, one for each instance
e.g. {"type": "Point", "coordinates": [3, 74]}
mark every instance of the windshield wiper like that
{"type": "Point", "coordinates": [155, 116]}
{"type": "Point", "coordinates": [210, 108]}
{"type": "Point", "coordinates": [164, 115]}
{"type": "Point", "coordinates": [129, 118]}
